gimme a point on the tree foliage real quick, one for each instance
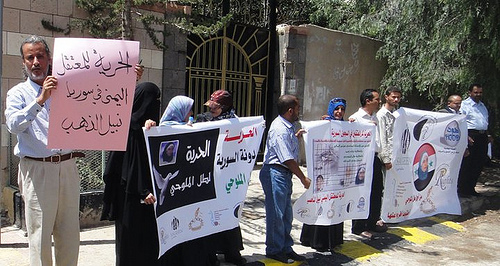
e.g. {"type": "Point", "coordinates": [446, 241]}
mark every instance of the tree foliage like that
{"type": "Point", "coordinates": [433, 47]}
{"type": "Point", "coordinates": [112, 19]}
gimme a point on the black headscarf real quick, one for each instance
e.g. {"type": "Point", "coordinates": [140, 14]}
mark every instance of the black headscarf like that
{"type": "Point", "coordinates": [130, 169]}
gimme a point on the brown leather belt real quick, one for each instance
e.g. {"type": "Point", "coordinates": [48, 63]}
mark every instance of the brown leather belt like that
{"type": "Point", "coordinates": [58, 158]}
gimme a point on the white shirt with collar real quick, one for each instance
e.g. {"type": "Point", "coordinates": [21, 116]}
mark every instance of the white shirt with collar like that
{"type": "Point", "coordinates": [361, 116]}
{"type": "Point", "coordinates": [476, 114]}
{"type": "Point", "coordinates": [29, 121]}
{"type": "Point", "coordinates": [385, 126]}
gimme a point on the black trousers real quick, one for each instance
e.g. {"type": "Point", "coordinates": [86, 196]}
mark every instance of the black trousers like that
{"type": "Point", "coordinates": [472, 165]}
{"type": "Point", "coordinates": [377, 188]}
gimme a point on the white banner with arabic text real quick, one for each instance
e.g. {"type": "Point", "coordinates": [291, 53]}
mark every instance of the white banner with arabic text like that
{"type": "Point", "coordinates": [339, 159]}
{"type": "Point", "coordinates": [201, 176]}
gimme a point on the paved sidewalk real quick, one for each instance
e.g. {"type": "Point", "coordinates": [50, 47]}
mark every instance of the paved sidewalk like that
{"type": "Point", "coordinates": [97, 244]}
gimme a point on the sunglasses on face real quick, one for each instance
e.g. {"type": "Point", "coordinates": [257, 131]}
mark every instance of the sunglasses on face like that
{"type": "Point", "coordinates": [338, 100]}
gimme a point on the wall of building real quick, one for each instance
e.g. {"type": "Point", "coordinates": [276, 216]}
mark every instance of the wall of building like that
{"type": "Point", "coordinates": [318, 64]}
{"type": "Point", "coordinates": [22, 18]}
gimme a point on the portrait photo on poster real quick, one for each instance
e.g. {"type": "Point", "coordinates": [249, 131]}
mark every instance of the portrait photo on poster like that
{"type": "Point", "coordinates": [168, 152]}
{"type": "Point", "coordinates": [183, 168]}
{"type": "Point", "coordinates": [424, 166]}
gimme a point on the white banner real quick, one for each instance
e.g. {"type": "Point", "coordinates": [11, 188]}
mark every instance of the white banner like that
{"type": "Point", "coordinates": [339, 159]}
{"type": "Point", "coordinates": [201, 176]}
{"type": "Point", "coordinates": [427, 153]}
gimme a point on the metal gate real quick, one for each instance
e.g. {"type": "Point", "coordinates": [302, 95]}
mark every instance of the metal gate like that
{"type": "Point", "coordinates": [236, 60]}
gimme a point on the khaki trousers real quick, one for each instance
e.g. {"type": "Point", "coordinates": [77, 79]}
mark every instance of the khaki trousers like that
{"type": "Point", "coordinates": [51, 193]}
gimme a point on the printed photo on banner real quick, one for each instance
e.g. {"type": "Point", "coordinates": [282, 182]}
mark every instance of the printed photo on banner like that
{"type": "Point", "coordinates": [189, 178]}
{"type": "Point", "coordinates": [423, 166]}
{"type": "Point", "coordinates": [168, 152]}
{"type": "Point", "coordinates": [331, 169]}
{"type": "Point", "coordinates": [339, 157]}
{"type": "Point", "coordinates": [427, 151]}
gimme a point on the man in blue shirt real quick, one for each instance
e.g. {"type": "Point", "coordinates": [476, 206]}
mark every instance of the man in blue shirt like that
{"type": "Point", "coordinates": [280, 163]}
{"type": "Point", "coordinates": [477, 127]}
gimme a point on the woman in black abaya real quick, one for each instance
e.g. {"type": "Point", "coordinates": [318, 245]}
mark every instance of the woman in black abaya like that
{"type": "Point", "coordinates": [128, 198]}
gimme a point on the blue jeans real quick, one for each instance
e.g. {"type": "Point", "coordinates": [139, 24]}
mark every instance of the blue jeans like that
{"type": "Point", "coordinates": [277, 184]}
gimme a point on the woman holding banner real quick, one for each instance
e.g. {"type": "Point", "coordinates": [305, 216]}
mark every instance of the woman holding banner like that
{"type": "Point", "coordinates": [228, 242]}
{"type": "Point", "coordinates": [128, 198]}
{"type": "Point", "coordinates": [193, 252]}
{"type": "Point", "coordinates": [325, 237]}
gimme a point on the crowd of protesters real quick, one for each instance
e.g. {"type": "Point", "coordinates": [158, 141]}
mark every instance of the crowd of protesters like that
{"type": "Point", "coordinates": [129, 195]}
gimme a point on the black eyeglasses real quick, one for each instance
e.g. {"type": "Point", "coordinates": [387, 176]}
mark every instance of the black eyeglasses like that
{"type": "Point", "coordinates": [338, 100]}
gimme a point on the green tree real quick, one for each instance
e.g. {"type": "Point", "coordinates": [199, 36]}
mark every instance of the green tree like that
{"type": "Point", "coordinates": [113, 19]}
{"type": "Point", "coordinates": [433, 47]}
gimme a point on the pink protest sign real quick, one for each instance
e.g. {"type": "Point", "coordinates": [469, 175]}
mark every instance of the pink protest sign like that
{"type": "Point", "coordinates": [90, 110]}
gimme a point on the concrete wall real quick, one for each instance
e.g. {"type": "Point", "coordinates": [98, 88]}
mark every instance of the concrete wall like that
{"type": "Point", "coordinates": [22, 18]}
{"type": "Point", "coordinates": [318, 64]}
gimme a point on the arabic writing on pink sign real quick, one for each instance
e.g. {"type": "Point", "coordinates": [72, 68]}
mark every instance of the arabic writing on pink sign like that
{"type": "Point", "coordinates": [90, 110]}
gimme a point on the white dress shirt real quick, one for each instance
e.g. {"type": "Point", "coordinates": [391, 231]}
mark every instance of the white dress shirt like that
{"type": "Point", "coordinates": [29, 121]}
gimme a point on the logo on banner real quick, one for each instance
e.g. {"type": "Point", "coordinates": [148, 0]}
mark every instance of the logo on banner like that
{"type": "Point", "coordinates": [175, 223]}
{"type": "Point", "coordinates": [452, 134]}
{"type": "Point", "coordinates": [303, 212]}
{"type": "Point", "coordinates": [197, 222]}
{"type": "Point", "coordinates": [405, 141]}
{"type": "Point", "coordinates": [427, 206]}
{"type": "Point", "coordinates": [238, 209]}
{"type": "Point", "coordinates": [423, 166]}
{"type": "Point", "coordinates": [331, 212]}
{"type": "Point", "coordinates": [350, 206]}
{"type": "Point", "coordinates": [163, 236]}
{"type": "Point", "coordinates": [423, 128]}
{"type": "Point", "coordinates": [361, 204]}
{"type": "Point", "coordinates": [443, 177]}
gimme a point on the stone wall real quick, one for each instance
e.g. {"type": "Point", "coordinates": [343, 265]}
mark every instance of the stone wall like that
{"type": "Point", "coordinates": [22, 18]}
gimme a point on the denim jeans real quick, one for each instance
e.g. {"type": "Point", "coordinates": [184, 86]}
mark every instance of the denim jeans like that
{"type": "Point", "coordinates": [277, 184]}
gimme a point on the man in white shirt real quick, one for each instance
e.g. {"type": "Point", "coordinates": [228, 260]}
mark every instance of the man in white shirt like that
{"type": "Point", "coordinates": [48, 178]}
{"type": "Point", "coordinates": [453, 105]}
{"type": "Point", "coordinates": [386, 121]}
{"type": "Point", "coordinates": [370, 100]}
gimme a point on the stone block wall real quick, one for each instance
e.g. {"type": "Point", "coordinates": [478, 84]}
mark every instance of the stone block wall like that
{"type": "Point", "coordinates": [22, 18]}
